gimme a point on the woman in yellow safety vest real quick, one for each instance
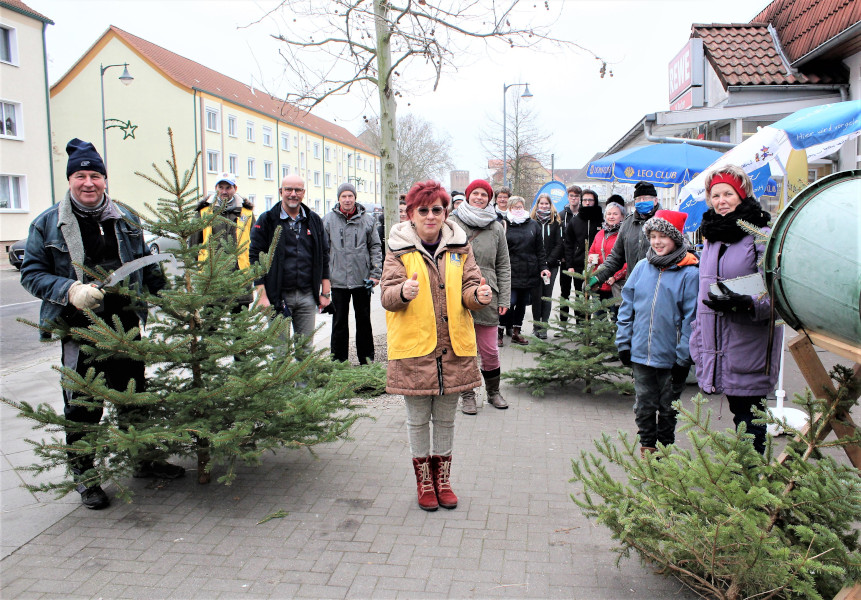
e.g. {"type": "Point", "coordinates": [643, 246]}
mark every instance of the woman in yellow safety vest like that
{"type": "Point", "coordinates": [430, 283]}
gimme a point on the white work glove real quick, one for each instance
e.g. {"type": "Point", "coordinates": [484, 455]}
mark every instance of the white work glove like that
{"type": "Point", "coordinates": [85, 296]}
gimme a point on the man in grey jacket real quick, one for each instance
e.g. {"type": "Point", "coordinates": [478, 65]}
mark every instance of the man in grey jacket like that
{"type": "Point", "coordinates": [355, 268]}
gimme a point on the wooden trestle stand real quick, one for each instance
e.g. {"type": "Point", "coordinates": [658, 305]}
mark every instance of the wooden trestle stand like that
{"type": "Point", "coordinates": [820, 384]}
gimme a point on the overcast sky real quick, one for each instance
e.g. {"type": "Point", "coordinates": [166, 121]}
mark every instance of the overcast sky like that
{"type": "Point", "coordinates": [581, 112]}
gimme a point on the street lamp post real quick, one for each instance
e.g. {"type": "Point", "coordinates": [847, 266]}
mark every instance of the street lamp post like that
{"type": "Point", "coordinates": [126, 78]}
{"type": "Point", "coordinates": [526, 94]}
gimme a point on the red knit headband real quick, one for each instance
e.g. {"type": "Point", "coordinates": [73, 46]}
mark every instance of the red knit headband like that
{"type": "Point", "coordinates": [730, 180]}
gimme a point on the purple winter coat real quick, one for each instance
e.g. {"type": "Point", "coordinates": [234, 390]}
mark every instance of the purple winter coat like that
{"type": "Point", "coordinates": [729, 349]}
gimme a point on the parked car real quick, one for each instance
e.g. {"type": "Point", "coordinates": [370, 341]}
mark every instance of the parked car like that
{"type": "Point", "coordinates": [158, 243]}
{"type": "Point", "coordinates": [16, 253]}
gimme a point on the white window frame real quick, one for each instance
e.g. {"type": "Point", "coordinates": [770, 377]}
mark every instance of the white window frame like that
{"type": "Point", "coordinates": [252, 198]}
{"type": "Point", "coordinates": [213, 121]}
{"type": "Point", "coordinates": [268, 200]}
{"type": "Point", "coordinates": [267, 170]}
{"type": "Point", "coordinates": [316, 150]}
{"type": "Point", "coordinates": [18, 111]}
{"type": "Point", "coordinates": [285, 141]}
{"type": "Point", "coordinates": [24, 205]}
{"type": "Point", "coordinates": [251, 174]}
{"type": "Point", "coordinates": [285, 171]}
{"type": "Point", "coordinates": [267, 137]}
{"type": "Point", "coordinates": [301, 160]}
{"type": "Point", "coordinates": [295, 141]}
{"type": "Point", "coordinates": [210, 155]}
{"type": "Point", "coordinates": [231, 125]}
{"type": "Point", "coordinates": [328, 154]}
{"type": "Point", "coordinates": [316, 178]}
{"type": "Point", "coordinates": [328, 180]}
{"type": "Point", "coordinates": [249, 131]}
{"type": "Point", "coordinates": [12, 36]}
{"type": "Point", "coordinates": [233, 163]}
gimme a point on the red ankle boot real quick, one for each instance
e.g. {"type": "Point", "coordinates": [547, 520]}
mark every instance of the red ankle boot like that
{"type": "Point", "coordinates": [425, 484]}
{"type": "Point", "coordinates": [442, 481]}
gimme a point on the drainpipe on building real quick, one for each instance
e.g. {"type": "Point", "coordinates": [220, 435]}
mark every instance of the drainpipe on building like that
{"type": "Point", "coordinates": [48, 111]}
{"type": "Point", "coordinates": [647, 131]}
{"type": "Point", "coordinates": [324, 171]}
{"type": "Point", "coordinates": [194, 103]}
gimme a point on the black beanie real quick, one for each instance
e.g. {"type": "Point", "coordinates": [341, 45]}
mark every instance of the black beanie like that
{"type": "Point", "coordinates": [644, 188]}
{"type": "Point", "coordinates": [615, 199]}
{"type": "Point", "coordinates": [83, 157]}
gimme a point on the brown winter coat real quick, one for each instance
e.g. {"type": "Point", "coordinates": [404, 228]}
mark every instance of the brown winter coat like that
{"type": "Point", "coordinates": [440, 372]}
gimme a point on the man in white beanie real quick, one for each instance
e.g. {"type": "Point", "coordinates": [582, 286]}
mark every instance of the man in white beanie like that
{"type": "Point", "coordinates": [355, 268]}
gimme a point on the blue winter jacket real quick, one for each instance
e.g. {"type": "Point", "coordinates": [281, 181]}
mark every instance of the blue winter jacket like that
{"type": "Point", "coordinates": [658, 306]}
{"type": "Point", "coordinates": [55, 250]}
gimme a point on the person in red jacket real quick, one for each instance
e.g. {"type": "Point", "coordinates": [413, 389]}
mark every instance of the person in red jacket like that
{"type": "Point", "coordinates": [601, 247]}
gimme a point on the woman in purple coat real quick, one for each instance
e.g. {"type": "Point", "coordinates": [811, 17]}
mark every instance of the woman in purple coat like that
{"type": "Point", "coordinates": [730, 341]}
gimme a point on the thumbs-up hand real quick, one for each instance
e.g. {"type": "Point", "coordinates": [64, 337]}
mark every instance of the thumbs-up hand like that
{"type": "Point", "coordinates": [483, 294]}
{"type": "Point", "coordinates": [410, 288]}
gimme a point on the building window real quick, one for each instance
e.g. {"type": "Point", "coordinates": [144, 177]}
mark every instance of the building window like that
{"type": "Point", "coordinates": [268, 200]}
{"type": "Point", "coordinates": [212, 161]}
{"type": "Point", "coordinates": [328, 180]}
{"type": "Point", "coordinates": [267, 136]}
{"type": "Point", "coordinates": [317, 178]}
{"type": "Point", "coordinates": [267, 170]}
{"type": "Point", "coordinates": [212, 120]}
{"type": "Point", "coordinates": [233, 162]}
{"type": "Point", "coordinates": [249, 131]}
{"type": "Point", "coordinates": [251, 168]}
{"type": "Point", "coordinates": [12, 191]}
{"type": "Point", "coordinates": [317, 205]}
{"type": "Point", "coordinates": [328, 154]}
{"type": "Point", "coordinates": [316, 150]}
{"type": "Point", "coordinates": [252, 198]}
{"type": "Point", "coordinates": [301, 160]}
{"type": "Point", "coordinates": [349, 161]}
{"type": "Point", "coordinates": [285, 171]}
{"type": "Point", "coordinates": [285, 142]}
{"type": "Point", "coordinates": [10, 120]}
{"type": "Point", "coordinates": [8, 45]}
{"type": "Point", "coordinates": [231, 127]}
{"type": "Point", "coordinates": [295, 141]}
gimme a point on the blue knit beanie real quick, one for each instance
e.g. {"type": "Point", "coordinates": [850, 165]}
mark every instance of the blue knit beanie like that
{"type": "Point", "coordinates": [83, 157]}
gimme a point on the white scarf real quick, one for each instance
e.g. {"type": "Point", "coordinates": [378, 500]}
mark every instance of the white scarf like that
{"type": "Point", "coordinates": [518, 216]}
{"type": "Point", "coordinates": [474, 216]}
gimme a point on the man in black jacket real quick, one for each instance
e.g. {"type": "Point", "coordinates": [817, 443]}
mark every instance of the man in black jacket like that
{"type": "Point", "coordinates": [298, 279]}
{"type": "Point", "coordinates": [565, 281]}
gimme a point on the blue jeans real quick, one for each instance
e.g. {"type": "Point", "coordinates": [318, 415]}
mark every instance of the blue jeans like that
{"type": "Point", "coordinates": [520, 297]}
{"type": "Point", "coordinates": [653, 411]}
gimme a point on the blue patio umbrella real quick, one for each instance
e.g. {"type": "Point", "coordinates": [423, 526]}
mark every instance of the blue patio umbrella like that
{"type": "Point", "coordinates": [664, 165]}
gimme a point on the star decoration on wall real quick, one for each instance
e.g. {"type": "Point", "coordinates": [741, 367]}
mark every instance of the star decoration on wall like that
{"type": "Point", "coordinates": [125, 126]}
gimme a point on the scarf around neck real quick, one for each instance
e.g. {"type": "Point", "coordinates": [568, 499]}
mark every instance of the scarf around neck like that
{"type": "Point", "coordinates": [519, 217]}
{"type": "Point", "coordinates": [608, 229]}
{"type": "Point", "coordinates": [104, 211]}
{"type": "Point", "coordinates": [668, 260]}
{"type": "Point", "coordinates": [717, 228]}
{"type": "Point", "coordinates": [475, 217]}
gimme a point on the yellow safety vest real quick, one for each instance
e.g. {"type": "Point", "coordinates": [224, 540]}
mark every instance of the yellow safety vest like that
{"type": "Point", "coordinates": [243, 236]}
{"type": "Point", "coordinates": [412, 331]}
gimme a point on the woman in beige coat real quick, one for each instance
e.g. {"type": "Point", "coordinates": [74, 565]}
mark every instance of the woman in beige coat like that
{"type": "Point", "coordinates": [486, 235]}
{"type": "Point", "coordinates": [430, 283]}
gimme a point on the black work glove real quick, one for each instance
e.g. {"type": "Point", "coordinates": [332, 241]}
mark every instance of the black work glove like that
{"type": "Point", "coordinates": [625, 357]}
{"type": "Point", "coordinates": [729, 301]}
{"type": "Point", "coordinates": [679, 373]}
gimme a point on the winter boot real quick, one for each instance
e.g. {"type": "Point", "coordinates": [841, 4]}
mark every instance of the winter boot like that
{"type": "Point", "coordinates": [468, 403]}
{"type": "Point", "coordinates": [646, 450]}
{"type": "Point", "coordinates": [491, 384]}
{"type": "Point", "coordinates": [425, 484]}
{"type": "Point", "coordinates": [516, 338]}
{"type": "Point", "coordinates": [500, 340]}
{"type": "Point", "coordinates": [442, 481]}
{"type": "Point", "coordinates": [92, 496]}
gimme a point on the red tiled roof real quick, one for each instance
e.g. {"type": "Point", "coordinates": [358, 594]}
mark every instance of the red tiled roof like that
{"type": "Point", "coordinates": [22, 8]}
{"type": "Point", "coordinates": [746, 54]}
{"type": "Point", "coordinates": [804, 25]}
{"type": "Point", "coordinates": [190, 74]}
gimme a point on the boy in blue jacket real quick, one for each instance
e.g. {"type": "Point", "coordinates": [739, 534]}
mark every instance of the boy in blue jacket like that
{"type": "Point", "coordinates": [658, 305]}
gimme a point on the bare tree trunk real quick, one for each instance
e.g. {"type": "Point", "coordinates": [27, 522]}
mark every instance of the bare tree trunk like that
{"type": "Point", "coordinates": [388, 116]}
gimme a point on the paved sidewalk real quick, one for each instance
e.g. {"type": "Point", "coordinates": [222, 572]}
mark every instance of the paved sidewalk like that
{"type": "Point", "coordinates": [352, 529]}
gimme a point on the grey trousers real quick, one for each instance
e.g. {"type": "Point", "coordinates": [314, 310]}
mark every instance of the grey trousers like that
{"type": "Point", "coordinates": [421, 410]}
{"type": "Point", "coordinates": [303, 311]}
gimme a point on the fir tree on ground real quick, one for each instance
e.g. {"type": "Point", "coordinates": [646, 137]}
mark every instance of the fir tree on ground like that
{"type": "Point", "coordinates": [222, 386]}
{"type": "Point", "coordinates": [728, 522]}
{"type": "Point", "coordinates": [580, 349]}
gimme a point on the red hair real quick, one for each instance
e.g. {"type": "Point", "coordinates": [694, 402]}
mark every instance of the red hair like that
{"type": "Point", "coordinates": [425, 193]}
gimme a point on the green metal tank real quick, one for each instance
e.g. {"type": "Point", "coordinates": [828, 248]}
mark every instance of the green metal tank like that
{"type": "Point", "coordinates": [813, 261]}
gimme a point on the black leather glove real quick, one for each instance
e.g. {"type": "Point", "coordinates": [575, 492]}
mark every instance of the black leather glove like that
{"type": "Point", "coordinates": [625, 357]}
{"type": "Point", "coordinates": [679, 373]}
{"type": "Point", "coordinates": [729, 301]}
